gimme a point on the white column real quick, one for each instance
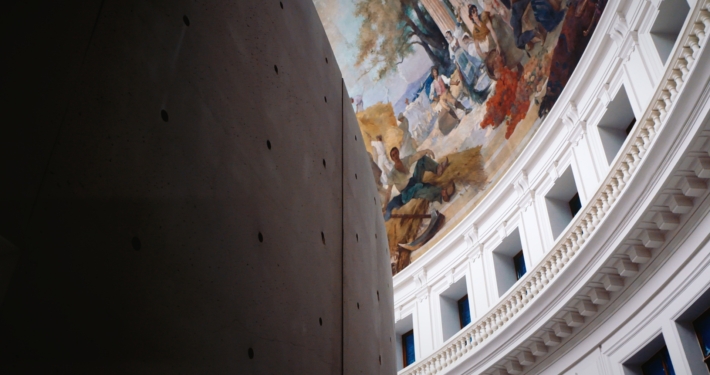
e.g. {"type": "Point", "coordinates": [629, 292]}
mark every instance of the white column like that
{"type": "Point", "coordinates": [479, 282]}
{"type": "Point", "coordinates": [642, 70]}
{"type": "Point", "coordinates": [472, 287]}
{"type": "Point", "coordinates": [530, 231]}
{"type": "Point", "coordinates": [423, 333]}
{"type": "Point", "coordinates": [581, 162]}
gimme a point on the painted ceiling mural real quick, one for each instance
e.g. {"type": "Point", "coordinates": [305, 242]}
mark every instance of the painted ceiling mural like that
{"type": "Point", "coordinates": [447, 94]}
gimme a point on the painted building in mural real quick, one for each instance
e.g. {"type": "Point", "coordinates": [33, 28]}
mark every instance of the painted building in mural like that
{"type": "Point", "coordinates": [447, 94]}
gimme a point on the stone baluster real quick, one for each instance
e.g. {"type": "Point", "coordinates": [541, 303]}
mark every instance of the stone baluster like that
{"type": "Point", "coordinates": [589, 220]}
{"type": "Point", "coordinates": [700, 31]}
{"type": "Point", "coordinates": [656, 116]}
{"type": "Point", "coordinates": [498, 319]}
{"type": "Point", "coordinates": [564, 252]}
{"type": "Point", "coordinates": [677, 77]}
{"type": "Point", "coordinates": [646, 135]}
{"type": "Point", "coordinates": [518, 302]}
{"type": "Point", "coordinates": [661, 108]}
{"type": "Point", "coordinates": [620, 180]}
{"type": "Point", "coordinates": [683, 66]}
{"type": "Point", "coordinates": [573, 246]}
{"type": "Point", "coordinates": [636, 151]}
{"type": "Point", "coordinates": [556, 266]}
{"type": "Point", "coordinates": [546, 273]}
{"type": "Point", "coordinates": [671, 87]}
{"type": "Point", "coordinates": [624, 170]}
{"type": "Point", "coordinates": [510, 312]}
{"type": "Point", "coordinates": [581, 238]}
{"type": "Point", "coordinates": [596, 210]}
{"type": "Point", "coordinates": [607, 198]}
{"type": "Point", "coordinates": [687, 54]}
{"type": "Point", "coordinates": [471, 343]}
{"type": "Point", "coordinates": [538, 282]}
{"type": "Point", "coordinates": [666, 96]}
{"type": "Point", "coordinates": [614, 186]}
{"type": "Point", "coordinates": [528, 293]}
{"type": "Point", "coordinates": [705, 18]}
{"type": "Point", "coordinates": [630, 161]}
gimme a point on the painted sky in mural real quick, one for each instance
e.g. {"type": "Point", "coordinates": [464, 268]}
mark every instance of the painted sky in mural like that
{"type": "Point", "coordinates": [447, 94]}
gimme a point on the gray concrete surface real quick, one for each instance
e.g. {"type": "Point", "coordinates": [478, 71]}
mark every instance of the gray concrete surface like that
{"type": "Point", "coordinates": [369, 310]}
{"type": "Point", "coordinates": [173, 175]}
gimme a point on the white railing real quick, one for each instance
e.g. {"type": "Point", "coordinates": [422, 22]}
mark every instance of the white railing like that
{"type": "Point", "coordinates": [683, 60]}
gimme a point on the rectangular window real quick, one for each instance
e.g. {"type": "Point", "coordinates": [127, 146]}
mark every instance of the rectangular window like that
{"type": "Point", "coordinates": [559, 201]}
{"type": "Point", "coordinates": [667, 26]}
{"type": "Point", "coordinates": [408, 348]}
{"type": "Point", "coordinates": [616, 124]}
{"type": "Point", "coordinates": [464, 311]}
{"type": "Point", "coordinates": [519, 262]}
{"type": "Point", "coordinates": [659, 364]}
{"type": "Point", "coordinates": [702, 330]}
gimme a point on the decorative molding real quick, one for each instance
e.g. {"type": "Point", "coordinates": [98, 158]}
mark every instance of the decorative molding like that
{"type": "Point", "coordinates": [502, 230]}
{"type": "Point", "coordinates": [553, 173]}
{"type": "Point", "coordinates": [619, 29]}
{"type": "Point", "coordinates": [571, 116]}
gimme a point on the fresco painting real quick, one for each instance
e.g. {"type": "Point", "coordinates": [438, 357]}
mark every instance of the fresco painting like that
{"type": "Point", "coordinates": [447, 94]}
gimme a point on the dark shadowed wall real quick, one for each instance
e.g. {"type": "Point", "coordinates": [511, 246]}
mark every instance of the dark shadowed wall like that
{"type": "Point", "coordinates": [182, 191]}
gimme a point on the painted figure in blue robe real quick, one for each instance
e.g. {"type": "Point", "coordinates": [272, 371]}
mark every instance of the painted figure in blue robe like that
{"type": "Point", "coordinates": [412, 185]}
{"type": "Point", "coordinates": [545, 14]}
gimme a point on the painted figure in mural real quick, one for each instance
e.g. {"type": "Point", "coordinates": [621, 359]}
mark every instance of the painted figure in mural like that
{"type": "Point", "coordinates": [446, 103]}
{"type": "Point", "coordinates": [414, 186]}
{"type": "Point", "coordinates": [409, 146]}
{"type": "Point", "coordinates": [494, 41]}
{"type": "Point", "coordinates": [501, 7]}
{"type": "Point", "coordinates": [453, 41]}
{"type": "Point", "coordinates": [419, 115]}
{"type": "Point", "coordinates": [545, 14]}
{"type": "Point", "coordinates": [468, 68]}
{"type": "Point", "coordinates": [482, 82]}
{"type": "Point", "coordinates": [381, 160]}
{"type": "Point", "coordinates": [574, 37]}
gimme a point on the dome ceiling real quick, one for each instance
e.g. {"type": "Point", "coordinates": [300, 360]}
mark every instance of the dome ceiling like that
{"type": "Point", "coordinates": [447, 94]}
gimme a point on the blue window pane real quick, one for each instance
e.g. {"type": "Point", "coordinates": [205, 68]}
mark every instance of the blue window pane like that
{"type": "Point", "coordinates": [408, 339]}
{"type": "Point", "coordinates": [654, 366]}
{"type": "Point", "coordinates": [702, 328]}
{"type": "Point", "coordinates": [519, 262]}
{"type": "Point", "coordinates": [659, 364]}
{"type": "Point", "coordinates": [464, 311]}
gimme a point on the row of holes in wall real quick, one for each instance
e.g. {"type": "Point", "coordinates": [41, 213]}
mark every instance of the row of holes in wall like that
{"type": "Point", "coordinates": [135, 241]}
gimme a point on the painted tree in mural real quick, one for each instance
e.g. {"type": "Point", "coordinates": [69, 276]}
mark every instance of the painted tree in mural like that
{"type": "Point", "coordinates": [389, 32]}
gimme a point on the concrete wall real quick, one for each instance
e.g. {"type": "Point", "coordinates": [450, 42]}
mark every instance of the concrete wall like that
{"type": "Point", "coordinates": [173, 175]}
